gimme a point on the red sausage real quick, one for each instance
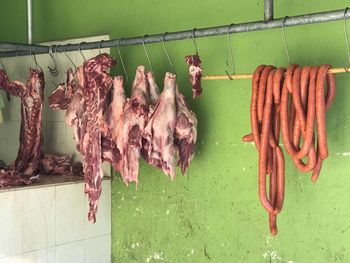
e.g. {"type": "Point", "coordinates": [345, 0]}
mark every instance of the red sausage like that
{"type": "Point", "coordinates": [262, 91]}
{"type": "Point", "coordinates": [280, 182]}
{"type": "Point", "coordinates": [248, 138]}
{"type": "Point", "coordinates": [289, 75]}
{"type": "Point", "coordinates": [277, 79]}
{"type": "Point", "coordinates": [321, 112]}
{"type": "Point", "coordinates": [266, 123]}
{"type": "Point", "coordinates": [308, 132]}
{"type": "Point", "coordinates": [285, 119]}
{"type": "Point", "coordinates": [253, 106]}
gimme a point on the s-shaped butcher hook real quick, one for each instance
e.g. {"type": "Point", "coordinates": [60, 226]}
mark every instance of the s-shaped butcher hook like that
{"type": "Point", "coordinates": [231, 56]}
{"type": "Point", "coordinates": [166, 53]}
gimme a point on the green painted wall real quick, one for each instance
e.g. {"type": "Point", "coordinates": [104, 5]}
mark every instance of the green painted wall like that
{"type": "Point", "coordinates": [213, 214]}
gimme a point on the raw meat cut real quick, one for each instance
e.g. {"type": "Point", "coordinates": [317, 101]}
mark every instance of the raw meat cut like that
{"type": "Point", "coordinates": [61, 97]}
{"type": "Point", "coordinates": [76, 110]}
{"type": "Point", "coordinates": [153, 88]}
{"type": "Point", "coordinates": [195, 71]}
{"type": "Point", "coordinates": [51, 164]}
{"type": "Point", "coordinates": [32, 96]}
{"type": "Point", "coordinates": [96, 88]}
{"type": "Point", "coordinates": [135, 118]}
{"type": "Point", "coordinates": [158, 138]}
{"type": "Point", "coordinates": [112, 127]}
{"type": "Point", "coordinates": [12, 178]}
{"type": "Point", "coordinates": [185, 131]}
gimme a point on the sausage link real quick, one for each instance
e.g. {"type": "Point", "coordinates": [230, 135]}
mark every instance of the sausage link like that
{"type": "Point", "coordinates": [253, 106]}
{"type": "Point", "coordinates": [285, 119]}
{"type": "Point", "coordinates": [262, 91]}
{"type": "Point", "coordinates": [277, 79]}
{"type": "Point", "coordinates": [308, 132]}
{"type": "Point", "coordinates": [331, 88]}
{"type": "Point", "coordinates": [280, 180]}
{"type": "Point", "coordinates": [289, 75]}
{"type": "Point", "coordinates": [321, 112]}
{"type": "Point", "coordinates": [248, 138]}
{"type": "Point", "coordinates": [273, 224]}
{"type": "Point", "coordinates": [296, 98]}
{"type": "Point", "coordinates": [263, 152]}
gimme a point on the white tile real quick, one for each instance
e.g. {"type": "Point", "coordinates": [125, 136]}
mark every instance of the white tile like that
{"type": "Point", "coordinates": [70, 253]}
{"type": "Point", "coordinates": [9, 138]}
{"type": "Point", "coordinates": [55, 137]}
{"type": "Point", "coordinates": [38, 218]}
{"type": "Point", "coordinates": [40, 256]}
{"type": "Point", "coordinates": [103, 217]}
{"type": "Point", "coordinates": [98, 249]}
{"type": "Point", "coordinates": [10, 223]}
{"type": "Point", "coordinates": [12, 259]}
{"type": "Point", "coordinates": [69, 213]}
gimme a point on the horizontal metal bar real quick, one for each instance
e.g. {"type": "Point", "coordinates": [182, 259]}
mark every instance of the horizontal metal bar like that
{"type": "Point", "coordinates": [268, 10]}
{"type": "Point", "coordinates": [187, 34]}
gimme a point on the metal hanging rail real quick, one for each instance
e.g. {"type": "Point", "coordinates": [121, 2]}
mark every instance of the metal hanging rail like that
{"type": "Point", "coordinates": [23, 49]}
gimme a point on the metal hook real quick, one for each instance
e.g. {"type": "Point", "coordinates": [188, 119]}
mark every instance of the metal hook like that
{"type": "Point", "coordinates": [53, 71]}
{"type": "Point", "coordinates": [166, 52]}
{"type": "Point", "coordinates": [121, 60]}
{"type": "Point", "coordinates": [346, 34]}
{"type": "Point", "coordinates": [37, 65]}
{"type": "Point", "coordinates": [79, 49]}
{"type": "Point", "coordinates": [56, 56]}
{"type": "Point", "coordinates": [71, 61]}
{"type": "Point", "coordinates": [231, 56]}
{"type": "Point", "coordinates": [194, 40]}
{"type": "Point", "coordinates": [2, 65]}
{"type": "Point", "coordinates": [284, 39]}
{"type": "Point", "coordinates": [19, 64]}
{"type": "Point", "coordinates": [144, 47]}
{"type": "Point", "coordinates": [99, 46]}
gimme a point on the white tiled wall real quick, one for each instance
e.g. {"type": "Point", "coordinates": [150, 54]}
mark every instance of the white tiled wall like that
{"type": "Point", "coordinates": [49, 225]}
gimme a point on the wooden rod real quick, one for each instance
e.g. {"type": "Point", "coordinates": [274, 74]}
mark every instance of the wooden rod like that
{"type": "Point", "coordinates": [249, 76]}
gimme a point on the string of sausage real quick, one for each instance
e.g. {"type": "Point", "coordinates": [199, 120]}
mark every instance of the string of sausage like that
{"type": "Point", "coordinates": [288, 105]}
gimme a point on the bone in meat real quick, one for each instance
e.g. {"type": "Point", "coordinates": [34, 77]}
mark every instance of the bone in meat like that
{"type": "Point", "coordinates": [112, 126]}
{"type": "Point", "coordinates": [159, 132]}
{"type": "Point", "coordinates": [135, 117]}
{"type": "Point", "coordinates": [185, 131]}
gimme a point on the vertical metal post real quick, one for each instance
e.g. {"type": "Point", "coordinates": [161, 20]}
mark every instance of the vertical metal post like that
{"type": "Point", "coordinates": [29, 21]}
{"type": "Point", "coordinates": [268, 10]}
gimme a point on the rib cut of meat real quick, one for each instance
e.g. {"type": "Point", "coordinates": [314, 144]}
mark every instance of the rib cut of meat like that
{"type": "Point", "coordinates": [195, 71]}
{"type": "Point", "coordinates": [97, 85]}
{"type": "Point", "coordinates": [185, 131]}
{"type": "Point", "coordinates": [158, 138]}
{"type": "Point", "coordinates": [31, 96]}
{"type": "Point", "coordinates": [135, 118]}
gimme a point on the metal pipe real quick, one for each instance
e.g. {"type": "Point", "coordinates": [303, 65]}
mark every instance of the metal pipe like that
{"type": "Point", "coordinates": [187, 34]}
{"type": "Point", "coordinates": [268, 10]}
{"type": "Point", "coordinates": [30, 21]}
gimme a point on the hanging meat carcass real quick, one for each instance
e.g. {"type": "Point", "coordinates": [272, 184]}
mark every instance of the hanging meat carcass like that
{"type": "Point", "coordinates": [135, 118]}
{"type": "Point", "coordinates": [32, 96]}
{"type": "Point", "coordinates": [112, 127]}
{"type": "Point", "coordinates": [158, 138]}
{"type": "Point", "coordinates": [96, 88]}
{"type": "Point", "coordinates": [185, 131]}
